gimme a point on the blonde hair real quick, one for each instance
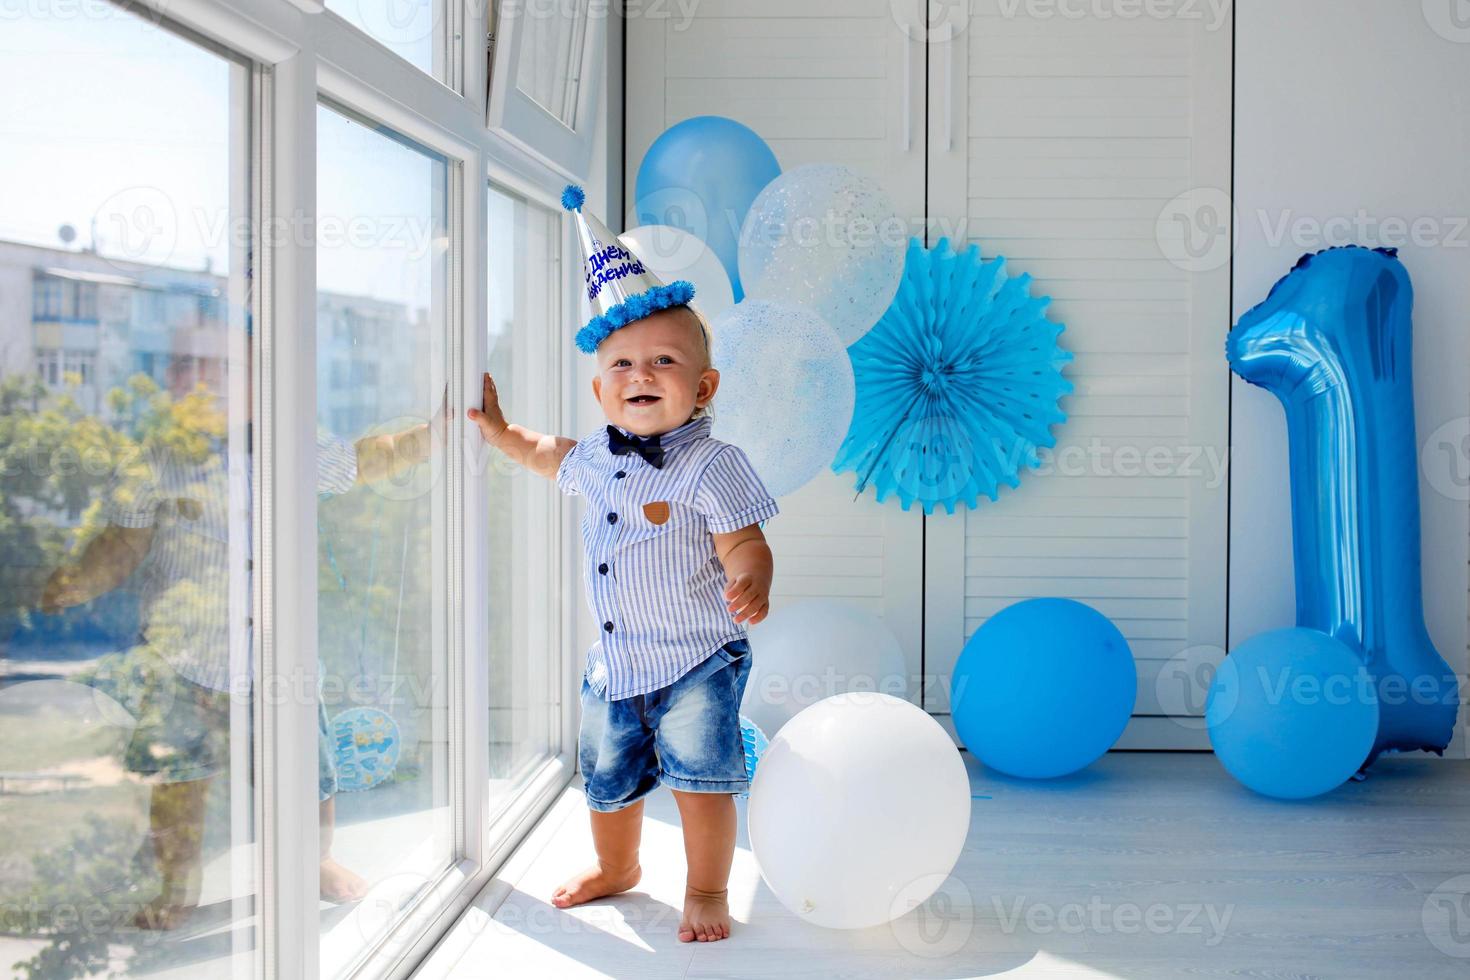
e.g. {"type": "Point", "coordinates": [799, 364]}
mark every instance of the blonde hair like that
{"type": "Point", "coordinates": [706, 340]}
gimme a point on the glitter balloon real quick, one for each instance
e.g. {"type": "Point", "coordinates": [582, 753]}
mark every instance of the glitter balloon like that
{"type": "Point", "coordinates": [824, 237]}
{"type": "Point", "coordinates": [786, 390]}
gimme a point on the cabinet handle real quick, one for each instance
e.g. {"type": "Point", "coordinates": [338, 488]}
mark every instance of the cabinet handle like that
{"type": "Point", "coordinates": [949, 92]}
{"type": "Point", "coordinates": [906, 110]}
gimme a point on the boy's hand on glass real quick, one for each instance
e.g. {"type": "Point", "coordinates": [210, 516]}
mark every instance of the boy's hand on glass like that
{"type": "Point", "coordinates": [61, 592]}
{"type": "Point", "coordinates": [416, 445]}
{"type": "Point", "coordinates": [488, 416]}
{"type": "Point", "coordinates": [747, 599]}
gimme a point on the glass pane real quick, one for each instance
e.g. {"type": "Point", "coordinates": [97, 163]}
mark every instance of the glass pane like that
{"type": "Point", "coordinates": [550, 64]}
{"type": "Point", "coordinates": [125, 507]}
{"type": "Point", "coordinates": [521, 270]}
{"type": "Point", "coordinates": [412, 29]}
{"type": "Point", "coordinates": [382, 612]}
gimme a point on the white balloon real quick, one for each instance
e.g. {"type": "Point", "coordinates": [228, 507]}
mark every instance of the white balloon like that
{"type": "Point", "coordinates": [786, 391]}
{"type": "Point", "coordinates": [85, 707]}
{"type": "Point", "coordinates": [84, 727]}
{"type": "Point", "coordinates": [672, 253]}
{"type": "Point", "coordinates": [813, 649]}
{"type": "Point", "coordinates": [825, 237]}
{"type": "Point", "coordinates": [859, 810]}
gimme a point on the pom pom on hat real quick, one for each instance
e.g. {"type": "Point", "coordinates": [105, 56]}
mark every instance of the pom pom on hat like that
{"type": "Point", "coordinates": [677, 293]}
{"type": "Point", "coordinates": [572, 197]}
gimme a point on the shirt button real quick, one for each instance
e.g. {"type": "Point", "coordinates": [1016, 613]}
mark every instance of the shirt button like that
{"type": "Point", "coordinates": [619, 475]}
{"type": "Point", "coordinates": [602, 568]}
{"type": "Point", "coordinates": [607, 626]}
{"type": "Point", "coordinates": [612, 518]}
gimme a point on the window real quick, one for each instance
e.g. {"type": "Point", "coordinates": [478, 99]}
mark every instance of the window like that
{"type": "Point", "coordinates": [48, 365]}
{"type": "Point", "coordinates": [126, 685]}
{"type": "Point", "coordinates": [554, 38]}
{"type": "Point", "coordinates": [56, 298]}
{"type": "Point", "coordinates": [383, 609]}
{"type": "Point", "coordinates": [522, 294]}
{"type": "Point", "coordinates": [81, 364]}
{"type": "Point", "coordinates": [152, 384]}
{"type": "Point", "coordinates": [538, 97]}
{"type": "Point", "coordinates": [86, 300]}
{"type": "Point", "coordinates": [419, 31]}
{"type": "Point", "coordinates": [46, 298]}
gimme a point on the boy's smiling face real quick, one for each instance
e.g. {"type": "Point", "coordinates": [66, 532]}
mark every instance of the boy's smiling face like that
{"type": "Point", "coordinates": [653, 373]}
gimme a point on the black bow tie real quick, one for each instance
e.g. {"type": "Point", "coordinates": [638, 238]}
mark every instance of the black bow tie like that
{"type": "Point", "coordinates": [649, 448]}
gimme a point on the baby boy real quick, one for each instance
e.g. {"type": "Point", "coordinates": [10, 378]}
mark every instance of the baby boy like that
{"type": "Point", "coordinates": [675, 563]}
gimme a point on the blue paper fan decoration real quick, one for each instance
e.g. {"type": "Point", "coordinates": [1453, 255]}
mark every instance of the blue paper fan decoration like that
{"type": "Point", "coordinates": [957, 385]}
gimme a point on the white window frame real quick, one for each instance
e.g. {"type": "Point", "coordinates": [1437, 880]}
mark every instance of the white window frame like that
{"type": "Point", "coordinates": [303, 54]}
{"type": "Point", "coordinates": [540, 360]}
{"type": "Point", "coordinates": [519, 119]}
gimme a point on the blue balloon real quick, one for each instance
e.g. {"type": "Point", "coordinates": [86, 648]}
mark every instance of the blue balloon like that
{"type": "Point", "coordinates": [1332, 343]}
{"type": "Point", "coordinates": [1292, 713]}
{"type": "Point", "coordinates": [755, 743]}
{"type": "Point", "coordinates": [367, 743]}
{"type": "Point", "coordinates": [701, 175]}
{"type": "Point", "coordinates": [1043, 688]}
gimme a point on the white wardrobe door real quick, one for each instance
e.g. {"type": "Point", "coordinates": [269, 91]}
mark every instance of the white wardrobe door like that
{"type": "Point", "coordinates": [821, 81]}
{"type": "Point", "coordinates": [1094, 153]}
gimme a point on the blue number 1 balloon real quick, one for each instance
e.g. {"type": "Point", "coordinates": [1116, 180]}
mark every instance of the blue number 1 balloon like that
{"type": "Point", "coordinates": [1332, 343]}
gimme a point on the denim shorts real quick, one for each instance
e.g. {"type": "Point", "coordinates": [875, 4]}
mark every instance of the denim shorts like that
{"type": "Point", "coordinates": [685, 736]}
{"type": "Point", "coordinates": [183, 729]}
{"type": "Point", "coordinates": [326, 757]}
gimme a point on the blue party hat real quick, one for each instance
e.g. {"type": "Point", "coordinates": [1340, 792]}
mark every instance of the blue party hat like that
{"type": "Point", "coordinates": [620, 288]}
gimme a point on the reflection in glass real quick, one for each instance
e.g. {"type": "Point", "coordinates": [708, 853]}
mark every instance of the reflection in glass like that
{"type": "Point", "coordinates": [382, 329]}
{"type": "Point", "coordinates": [125, 508]}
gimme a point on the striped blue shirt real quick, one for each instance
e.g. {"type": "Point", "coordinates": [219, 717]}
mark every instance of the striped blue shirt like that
{"type": "Point", "coordinates": [183, 582]}
{"type": "Point", "coordinates": [654, 583]}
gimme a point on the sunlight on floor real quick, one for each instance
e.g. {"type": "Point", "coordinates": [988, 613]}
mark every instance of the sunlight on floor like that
{"type": "Point", "coordinates": [1045, 966]}
{"type": "Point", "coordinates": [1145, 867]}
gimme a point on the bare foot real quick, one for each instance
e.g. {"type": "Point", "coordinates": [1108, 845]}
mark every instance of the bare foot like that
{"type": "Point", "coordinates": [706, 916]}
{"type": "Point", "coordinates": [340, 884]}
{"type": "Point", "coordinates": [594, 883]}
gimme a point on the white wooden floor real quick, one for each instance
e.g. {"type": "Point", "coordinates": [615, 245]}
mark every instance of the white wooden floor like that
{"type": "Point", "coordinates": [1146, 865]}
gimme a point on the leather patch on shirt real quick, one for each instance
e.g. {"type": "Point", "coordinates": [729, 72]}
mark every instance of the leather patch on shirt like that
{"type": "Point", "coordinates": [657, 512]}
